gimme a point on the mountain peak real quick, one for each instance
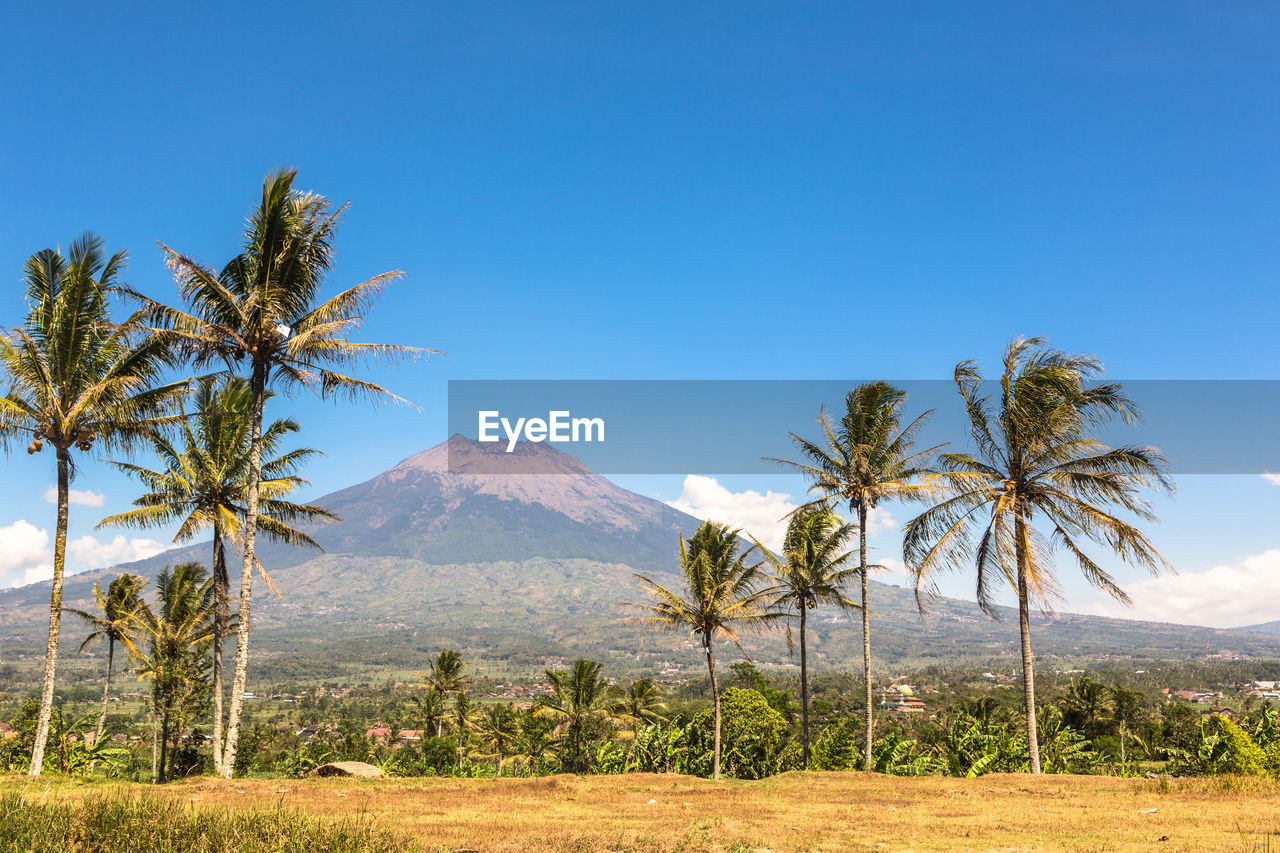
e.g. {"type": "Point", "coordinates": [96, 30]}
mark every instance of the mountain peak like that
{"type": "Point", "coordinates": [462, 455]}
{"type": "Point", "coordinates": [456, 473]}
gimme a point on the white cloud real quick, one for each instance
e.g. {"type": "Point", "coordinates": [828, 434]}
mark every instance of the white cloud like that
{"type": "Point", "coordinates": [761, 515]}
{"type": "Point", "coordinates": [895, 571]}
{"type": "Point", "coordinates": [92, 554]}
{"type": "Point", "coordinates": [25, 556]}
{"type": "Point", "coordinates": [1244, 593]}
{"type": "Point", "coordinates": [880, 520]}
{"type": "Point", "coordinates": [1273, 479]}
{"type": "Point", "coordinates": [76, 497]}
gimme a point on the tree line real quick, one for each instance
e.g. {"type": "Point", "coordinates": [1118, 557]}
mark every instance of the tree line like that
{"type": "Point", "coordinates": [1038, 483]}
{"type": "Point", "coordinates": [587, 723]}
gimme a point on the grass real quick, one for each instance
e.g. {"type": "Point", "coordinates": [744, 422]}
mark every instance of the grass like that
{"type": "Point", "coordinates": [678, 814]}
{"type": "Point", "coordinates": [147, 822]}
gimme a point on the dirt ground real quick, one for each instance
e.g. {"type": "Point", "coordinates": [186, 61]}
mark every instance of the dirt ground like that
{"type": "Point", "coordinates": [792, 812]}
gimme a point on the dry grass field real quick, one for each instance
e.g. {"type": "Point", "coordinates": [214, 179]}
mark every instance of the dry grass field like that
{"type": "Point", "coordinates": [793, 812]}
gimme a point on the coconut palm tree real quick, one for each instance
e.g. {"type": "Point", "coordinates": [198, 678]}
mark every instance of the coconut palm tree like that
{"type": "Point", "coordinates": [1085, 705]}
{"type": "Point", "coordinates": [445, 677]}
{"type": "Point", "coordinates": [115, 618]}
{"type": "Point", "coordinates": [1127, 712]}
{"type": "Point", "coordinates": [535, 741]}
{"type": "Point", "coordinates": [204, 485]}
{"type": "Point", "coordinates": [642, 703]}
{"type": "Point", "coordinates": [813, 570]}
{"type": "Point", "coordinates": [1036, 463]}
{"type": "Point", "coordinates": [429, 710]}
{"type": "Point", "coordinates": [499, 731]}
{"type": "Point", "coordinates": [987, 710]}
{"type": "Point", "coordinates": [77, 381]}
{"type": "Point", "coordinates": [580, 697]}
{"type": "Point", "coordinates": [865, 460]}
{"type": "Point", "coordinates": [721, 595]}
{"type": "Point", "coordinates": [263, 308]}
{"type": "Point", "coordinates": [462, 719]}
{"type": "Point", "coordinates": [178, 633]}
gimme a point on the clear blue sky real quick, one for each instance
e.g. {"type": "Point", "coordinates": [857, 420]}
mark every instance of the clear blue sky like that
{"type": "Point", "coordinates": [666, 190]}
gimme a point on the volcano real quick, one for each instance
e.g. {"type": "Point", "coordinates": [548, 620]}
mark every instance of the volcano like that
{"type": "Point", "coordinates": [523, 571]}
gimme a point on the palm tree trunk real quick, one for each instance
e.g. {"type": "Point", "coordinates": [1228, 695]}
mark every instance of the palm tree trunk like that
{"type": "Point", "coordinates": [866, 637]}
{"type": "Point", "coordinates": [246, 572]}
{"type": "Point", "coordinates": [164, 745]}
{"type": "Point", "coordinates": [1122, 743]}
{"type": "Point", "coordinates": [1024, 625]}
{"type": "Point", "coordinates": [55, 613]}
{"type": "Point", "coordinates": [804, 683]}
{"type": "Point", "coordinates": [221, 618]}
{"type": "Point", "coordinates": [106, 688]}
{"type": "Point", "coordinates": [155, 735]}
{"type": "Point", "coordinates": [715, 695]}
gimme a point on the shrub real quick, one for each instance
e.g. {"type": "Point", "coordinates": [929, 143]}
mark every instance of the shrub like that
{"type": "Point", "coordinates": [839, 746]}
{"type": "Point", "coordinates": [1224, 748]}
{"type": "Point", "coordinates": [754, 737]}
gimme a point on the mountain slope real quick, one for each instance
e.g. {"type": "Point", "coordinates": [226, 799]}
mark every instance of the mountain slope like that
{"type": "Point", "coordinates": [524, 569]}
{"type": "Point", "coordinates": [1264, 628]}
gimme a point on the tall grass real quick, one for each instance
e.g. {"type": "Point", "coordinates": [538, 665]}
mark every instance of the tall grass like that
{"type": "Point", "coordinates": [152, 824]}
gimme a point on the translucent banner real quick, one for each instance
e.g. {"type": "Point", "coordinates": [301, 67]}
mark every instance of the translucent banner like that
{"type": "Point", "coordinates": [735, 426]}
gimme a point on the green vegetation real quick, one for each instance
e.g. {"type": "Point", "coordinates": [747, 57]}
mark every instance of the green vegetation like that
{"type": "Point", "coordinates": [150, 824]}
{"type": "Point", "coordinates": [175, 659]}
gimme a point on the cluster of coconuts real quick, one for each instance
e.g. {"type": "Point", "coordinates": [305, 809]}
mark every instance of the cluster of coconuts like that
{"type": "Point", "coordinates": [83, 441]}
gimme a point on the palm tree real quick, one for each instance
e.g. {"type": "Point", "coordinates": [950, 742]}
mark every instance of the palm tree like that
{"type": "Point", "coordinates": [445, 677]}
{"type": "Point", "coordinates": [869, 458]}
{"type": "Point", "coordinates": [720, 594]}
{"type": "Point", "coordinates": [987, 710]}
{"type": "Point", "coordinates": [115, 618]}
{"type": "Point", "coordinates": [812, 571]}
{"type": "Point", "coordinates": [463, 711]}
{"type": "Point", "coordinates": [499, 730]}
{"type": "Point", "coordinates": [1085, 704]}
{"type": "Point", "coordinates": [429, 710]}
{"type": "Point", "coordinates": [642, 703]}
{"type": "Point", "coordinates": [179, 632]}
{"type": "Point", "coordinates": [579, 697]}
{"type": "Point", "coordinates": [1126, 710]}
{"type": "Point", "coordinates": [535, 740]}
{"type": "Point", "coordinates": [204, 485]}
{"type": "Point", "coordinates": [1036, 462]}
{"type": "Point", "coordinates": [77, 381]}
{"type": "Point", "coordinates": [263, 307]}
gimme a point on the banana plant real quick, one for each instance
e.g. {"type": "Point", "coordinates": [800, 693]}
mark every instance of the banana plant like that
{"type": "Point", "coordinates": [897, 756]}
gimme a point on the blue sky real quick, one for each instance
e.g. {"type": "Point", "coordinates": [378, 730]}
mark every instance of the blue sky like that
{"type": "Point", "coordinates": [662, 190]}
